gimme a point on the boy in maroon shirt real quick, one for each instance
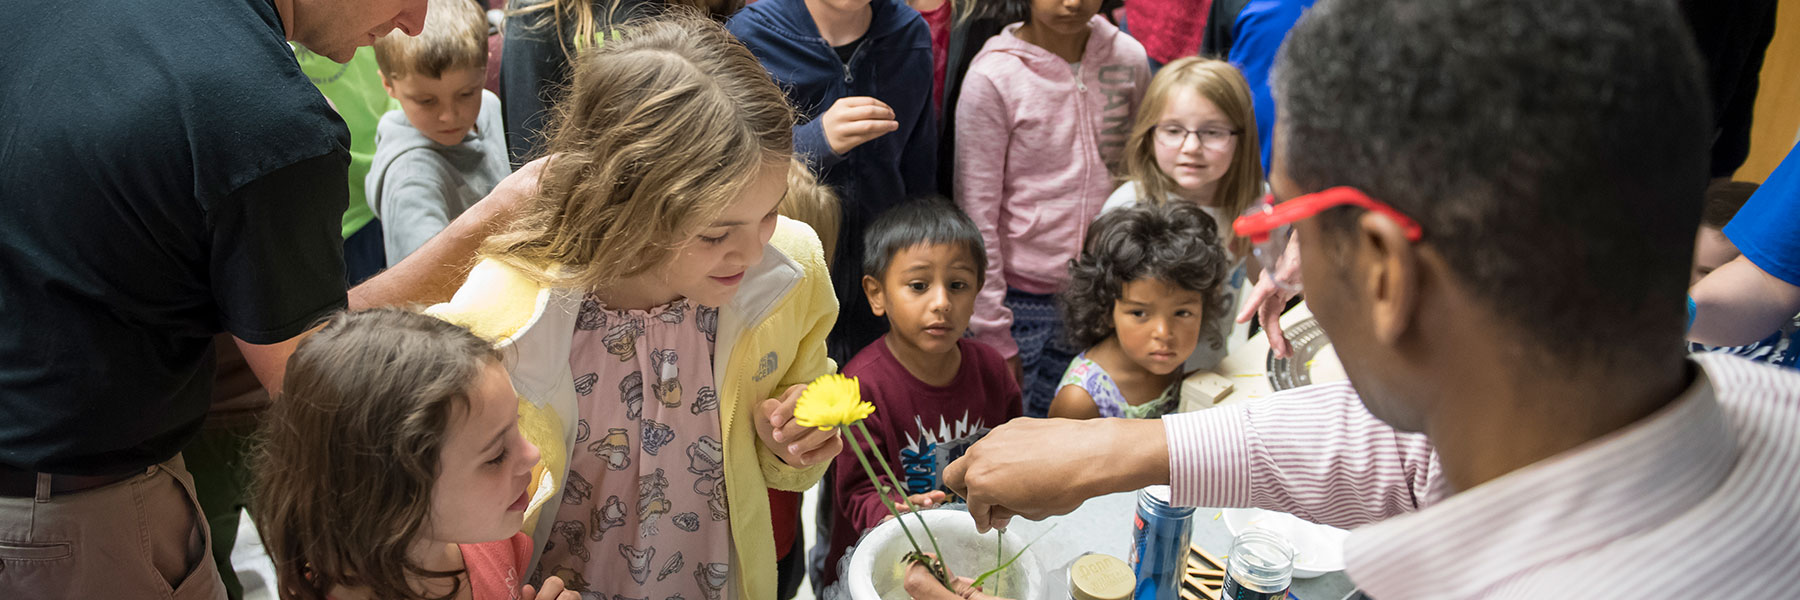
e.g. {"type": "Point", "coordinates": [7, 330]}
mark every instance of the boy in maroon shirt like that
{"type": "Point", "coordinates": [935, 392]}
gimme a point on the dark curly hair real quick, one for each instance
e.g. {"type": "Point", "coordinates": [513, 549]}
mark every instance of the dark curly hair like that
{"type": "Point", "coordinates": [1176, 242]}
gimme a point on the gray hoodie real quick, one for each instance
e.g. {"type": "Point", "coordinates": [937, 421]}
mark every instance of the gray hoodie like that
{"type": "Point", "coordinates": [417, 186]}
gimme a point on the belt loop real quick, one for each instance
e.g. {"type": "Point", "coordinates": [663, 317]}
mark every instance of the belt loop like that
{"type": "Point", "coordinates": [43, 488]}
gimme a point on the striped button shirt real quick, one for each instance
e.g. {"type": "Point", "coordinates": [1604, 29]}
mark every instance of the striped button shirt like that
{"type": "Point", "coordinates": [1701, 499]}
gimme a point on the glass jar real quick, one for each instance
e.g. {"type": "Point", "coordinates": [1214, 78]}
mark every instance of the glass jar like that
{"type": "Point", "coordinates": [1260, 567]}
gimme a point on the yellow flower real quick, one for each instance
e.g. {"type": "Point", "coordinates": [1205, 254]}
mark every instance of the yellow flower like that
{"type": "Point", "coordinates": [831, 401]}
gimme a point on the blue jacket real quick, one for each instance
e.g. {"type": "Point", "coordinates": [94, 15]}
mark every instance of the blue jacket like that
{"type": "Point", "coordinates": [1248, 33]}
{"type": "Point", "coordinates": [894, 65]}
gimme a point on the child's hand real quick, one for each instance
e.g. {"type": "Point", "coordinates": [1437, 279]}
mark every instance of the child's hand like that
{"type": "Point", "coordinates": [796, 444]}
{"type": "Point", "coordinates": [1018, 370]}
{"type": "Point", "coordinates": [854, 120]}
{"type": "Point", "coordinates": [920, 584]}
{"type": "Point", "coordinates": [923, 501]}
{"type": "Point", "coordinates": [1278, 284]}
{"type": "Point", "coordinates": [553, 590]}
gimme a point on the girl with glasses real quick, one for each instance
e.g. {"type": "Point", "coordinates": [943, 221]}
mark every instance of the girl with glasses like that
{"type": "Point", "coordinates": [1194, 141]}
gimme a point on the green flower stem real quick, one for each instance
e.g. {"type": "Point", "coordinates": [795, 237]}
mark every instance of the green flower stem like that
{"type": "Point", "coordinates": [903, 497]}
{"type": "Point", "coordinates": [860, 457]}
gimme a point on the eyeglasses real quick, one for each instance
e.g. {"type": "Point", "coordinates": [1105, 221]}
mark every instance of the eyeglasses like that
{"type": "Point", "coordinates": [1269, 225]}
{"type": "Point", "coordinates": [1211, 138]}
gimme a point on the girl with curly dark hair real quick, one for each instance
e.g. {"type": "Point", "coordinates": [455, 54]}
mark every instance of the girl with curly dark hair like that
{"type": "Point", "coordinates": [1145, 286]}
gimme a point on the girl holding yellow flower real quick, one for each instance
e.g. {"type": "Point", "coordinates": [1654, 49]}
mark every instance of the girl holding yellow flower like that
{"type": "Point", "coordinates": [658, 317]}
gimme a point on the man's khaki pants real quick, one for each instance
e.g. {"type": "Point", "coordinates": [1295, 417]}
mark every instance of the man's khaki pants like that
{"type": "Point", "coordinates": [142, 537]}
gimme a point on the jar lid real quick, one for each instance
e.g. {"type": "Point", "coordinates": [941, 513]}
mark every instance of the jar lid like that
{"type": "Point", "coordinates": [1100, 577]}
{"type": "Point", "coordinates": [1260, 557]}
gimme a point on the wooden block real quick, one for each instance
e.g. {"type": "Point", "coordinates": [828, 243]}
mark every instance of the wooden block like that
{"type": "Point", "coordinates": [1207, 556]}
{"type": "Point", "coordinates": [1188, 593]}
{"type": "Point", "coordinates": [1204, 575]}
{"type": "Point", "coordinates": [1211, 387]}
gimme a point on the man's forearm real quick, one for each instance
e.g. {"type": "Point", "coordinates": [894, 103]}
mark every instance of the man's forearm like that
{"type": "Point", "coordinates": [1739, 303]}
{"type": "Point", "coordinates": [432, 273]}
{"type": "Point", "coordinates": [1138, 455]}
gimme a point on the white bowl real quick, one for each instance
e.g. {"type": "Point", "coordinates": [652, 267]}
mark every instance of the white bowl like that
{"type": "Point", "coordinates": [1319, 549]}
{"type": "Point", "coordinates": [877, 568]}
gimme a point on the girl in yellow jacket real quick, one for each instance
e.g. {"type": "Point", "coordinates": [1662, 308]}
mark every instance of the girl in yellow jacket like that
{"type": "Point", "coordinates": [659, 319]}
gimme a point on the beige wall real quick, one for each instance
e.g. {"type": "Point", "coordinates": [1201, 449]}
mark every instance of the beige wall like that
{"type": "Point", "coordinates": [1777, 120]}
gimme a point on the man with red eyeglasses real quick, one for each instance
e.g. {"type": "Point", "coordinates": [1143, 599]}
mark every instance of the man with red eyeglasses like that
{"type": "Point", "coordinates": [1496, 198]}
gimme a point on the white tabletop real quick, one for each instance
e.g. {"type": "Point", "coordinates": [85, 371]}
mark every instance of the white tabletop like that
{"type": "Point", "coordinates": [1103, 525]}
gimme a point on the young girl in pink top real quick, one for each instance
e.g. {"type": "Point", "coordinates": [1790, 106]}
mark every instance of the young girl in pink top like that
{"type": "Point", "coordinates": [392, 467]}
{"type": "Point", "coordinates": [1041, 126]}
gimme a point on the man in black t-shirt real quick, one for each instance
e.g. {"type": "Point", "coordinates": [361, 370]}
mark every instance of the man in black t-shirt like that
{"type": "Point", "coordinates": [167, 173]}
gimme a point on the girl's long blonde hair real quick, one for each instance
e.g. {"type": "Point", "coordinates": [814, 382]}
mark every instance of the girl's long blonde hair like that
{"type": "Point", "coordinates": [345, 464]}
{"type": "Point", "coordinates": [1219, 83]}
{"type": "Point", "coordinates": [812, 202]}
{"type": "Point", "coordinates": [666, 124]}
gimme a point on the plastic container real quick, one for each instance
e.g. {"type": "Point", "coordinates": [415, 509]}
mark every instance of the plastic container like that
{"type": "Point", "coordinates": [1260, 567]}
{"type": "Point", "coordinates": [877, 568]}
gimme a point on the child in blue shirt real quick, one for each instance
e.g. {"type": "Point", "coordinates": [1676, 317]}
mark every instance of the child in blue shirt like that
{"type": "Point", "coordinates": [860, 73]}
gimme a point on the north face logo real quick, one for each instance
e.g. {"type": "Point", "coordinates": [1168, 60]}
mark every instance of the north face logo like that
{"type": "Point", "coordinates": [766, 366]}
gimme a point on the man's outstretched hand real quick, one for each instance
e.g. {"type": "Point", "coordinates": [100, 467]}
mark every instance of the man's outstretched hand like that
{"type": "Point", "coordinates": [1037, 468]}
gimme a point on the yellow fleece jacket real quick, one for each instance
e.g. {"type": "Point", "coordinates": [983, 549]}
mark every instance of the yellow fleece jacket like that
{"type": "Point", "coordinates": [771, 336]}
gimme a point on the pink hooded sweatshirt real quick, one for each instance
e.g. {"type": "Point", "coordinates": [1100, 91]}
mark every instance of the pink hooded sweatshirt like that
{"type": "Point", "coordinates": [1038, 141]}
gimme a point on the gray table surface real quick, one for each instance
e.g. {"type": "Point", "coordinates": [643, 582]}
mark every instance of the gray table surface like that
{"type": "Point", "coordinates": [1104, 524]}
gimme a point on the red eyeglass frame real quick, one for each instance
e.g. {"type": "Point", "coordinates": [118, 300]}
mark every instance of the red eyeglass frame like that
{"type": "Point", "coordinates": [1258, 226]}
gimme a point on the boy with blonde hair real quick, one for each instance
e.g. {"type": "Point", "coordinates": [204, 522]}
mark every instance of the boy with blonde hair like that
{"type": "Point", "coordinates": [445, 148]}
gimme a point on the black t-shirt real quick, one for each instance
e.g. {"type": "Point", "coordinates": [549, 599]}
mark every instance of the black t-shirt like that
{"type": "Point", "coordinates": [166, 173]}
{"type": "Point", "coordinates": [846, 51]}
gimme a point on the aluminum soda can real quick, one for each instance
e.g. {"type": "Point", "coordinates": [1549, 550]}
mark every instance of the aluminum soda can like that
{"type": "Point", "coordinates": [1159, 544]}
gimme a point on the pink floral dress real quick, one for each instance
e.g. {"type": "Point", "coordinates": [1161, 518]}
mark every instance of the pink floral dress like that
{"type": "Point", "coordinates": [643, 513]}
